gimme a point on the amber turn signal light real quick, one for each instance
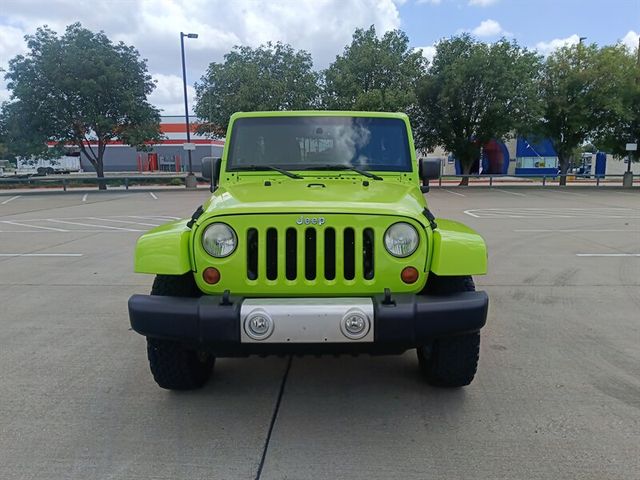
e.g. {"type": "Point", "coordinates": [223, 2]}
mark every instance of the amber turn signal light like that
{"type": "Point", "coordinates": [211, 275]}
{"type": "Point", "coordinates": [409, 275]}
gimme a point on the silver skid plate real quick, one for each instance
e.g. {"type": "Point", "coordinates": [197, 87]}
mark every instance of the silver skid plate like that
{"type": "Point", "coordinates": [306, 320]}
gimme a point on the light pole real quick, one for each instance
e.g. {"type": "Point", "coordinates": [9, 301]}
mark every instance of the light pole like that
{"type": "Point", "coordinates": [580, 50]}
{"type": "Point", "coordinates": [190, 181]}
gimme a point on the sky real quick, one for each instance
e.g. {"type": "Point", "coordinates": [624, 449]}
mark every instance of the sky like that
{"type": "Point", "coordinates": [322, 27]}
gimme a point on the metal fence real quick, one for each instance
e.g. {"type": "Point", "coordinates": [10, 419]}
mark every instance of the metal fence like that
{"type": "Point", "coordinates": [66, 182]}
{"type": "Point", "coordinates": [543, 179]}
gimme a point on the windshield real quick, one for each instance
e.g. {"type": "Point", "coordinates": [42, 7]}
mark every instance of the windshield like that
{"type": "Point", "coordinates": [301, 143]}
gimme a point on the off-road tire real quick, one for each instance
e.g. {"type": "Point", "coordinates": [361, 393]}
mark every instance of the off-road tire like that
{"type": "Point", "coordinates": [174, 366]}
{"type": "Point", "coordinates": [437, 285]}
{"type": "Point", "coordinates": [175, 286]}
{"type": "Point", "coordinates": [450, 361]}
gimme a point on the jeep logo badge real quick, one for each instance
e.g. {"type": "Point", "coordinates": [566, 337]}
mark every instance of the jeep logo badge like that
{"type": "Point", "coordinates": [302, 220]}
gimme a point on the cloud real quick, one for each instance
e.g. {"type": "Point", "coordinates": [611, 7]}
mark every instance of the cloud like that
{"type": "Point", "coordinates": [546, 48]}
{"type": "Point", "coordinates": [428, 52]}
{"type": "Point", "coordinates": [488, 28]}
{"type": "Point", "coordinates": [430, 2]}
{"type": "Point", "coordinates": [169, 95]}
{"type": "Point", "coordinates": [11, 43]}
{"type": "Point", "coordinates": [4, 95]}
{"type": "Point", "coordinates": [321, 27]}
{"type": "Point", "coordinates": [631, 40]}
{"type": "Point", "coordinates": [482, 3]}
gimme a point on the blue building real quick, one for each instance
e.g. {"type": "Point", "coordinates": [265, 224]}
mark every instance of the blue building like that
{"type": "Point", "coordinates": [535, 158]}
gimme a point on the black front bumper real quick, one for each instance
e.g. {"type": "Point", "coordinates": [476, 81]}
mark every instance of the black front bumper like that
{"type": "Point", "coordinates": [212, 324]}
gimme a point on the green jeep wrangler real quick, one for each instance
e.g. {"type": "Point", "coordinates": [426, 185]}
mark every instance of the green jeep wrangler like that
{"type": "Point", "coordinates": [317, 239]}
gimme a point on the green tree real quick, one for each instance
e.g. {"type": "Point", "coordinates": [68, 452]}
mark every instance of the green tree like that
{"type": "Point", "coordinates": [624, 125]}
{"type": "Point", "coordinates": [582, 90]}
{"type": "Point", "coordinates": [475, 92]}
{"type": "Point", "coordinates": [375, 74]}
{"type": "Point", "coordinates": [81, 89]}
{"type": "Point", "coordinates": [4, 152]}
{"type": "Point", "coordinates": [270, 77]}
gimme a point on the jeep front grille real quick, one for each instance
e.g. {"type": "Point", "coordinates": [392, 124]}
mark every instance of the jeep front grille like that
{"type": "Point", "coordinates": [310, 253]}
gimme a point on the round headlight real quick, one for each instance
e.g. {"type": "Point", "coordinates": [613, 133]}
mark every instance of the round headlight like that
{"type": "Point", "coordinates": [219, 240]}
{"type": "Point", "coordinates": [401, 239]}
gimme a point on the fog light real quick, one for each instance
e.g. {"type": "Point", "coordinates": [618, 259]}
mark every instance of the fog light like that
{"type": "Point", "coordinates": [355, 325]}
{"type": "Point", "coordinates": [409, 275]}
{"type": "Point", "coordinates": [258, 325]}
{"type": "Point", "coordinates": [211, 275]}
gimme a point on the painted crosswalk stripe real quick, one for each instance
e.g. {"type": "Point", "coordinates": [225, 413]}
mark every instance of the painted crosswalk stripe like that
{"type": "Point", "coordinates": [153, 195]}
{"type": "Point", "coordinates": [84, 197]}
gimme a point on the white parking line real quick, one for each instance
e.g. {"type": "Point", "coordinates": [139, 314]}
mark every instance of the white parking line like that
{"type": "Point", "coordinates": [10, 200]}
{"type": "Point", "coordinates": [153, 195]}
{"type": "Point", "coordinates": [455, 193]}
{"type": "Point", "coordinates": [507, 191]}
{"type": "Point", "coordinates": [93, 225]}
{"type": "Point", "coordinates": [163, 218]}
{"type": "Point", "coordinates": [79, 230]}
{"type": "Point", "coordinates": [569, 193]}
{"type": "Point", "coordinates": [604, 230]}
{"type": "Point", "coordinates": [607, 254]}
{"type": "Point", "coordinates": [84, 197]}
{"type": "Point", "coordinates": [40, 254]}
{"type": "Point", "coordinates": [531, 212]}
{"type": "Point", "coordinates": [33, 226]}
{"type": "Point", "coordinates": [124, 221]}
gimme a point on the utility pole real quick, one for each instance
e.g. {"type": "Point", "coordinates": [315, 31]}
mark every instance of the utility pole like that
{"type": "Point", "coordinates": [631, 155]}
{"type": "Point", "coordinates": [190, 180]}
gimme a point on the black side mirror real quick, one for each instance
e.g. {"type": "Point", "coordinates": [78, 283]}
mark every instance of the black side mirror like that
{"type": "Point", "coordinates": [211, 171]}
{"type": "Point", "coordinates": [430, 169]}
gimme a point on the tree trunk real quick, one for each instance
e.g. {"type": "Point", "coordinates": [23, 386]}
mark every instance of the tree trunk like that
{"type": "Point", "coordinates": [466, 170]}
{"type": "Point", "coordinates": [564, 168]}
{"type": "Point", "coordinates": [95, 160]}
{"type": "Point", "coordinates": [102, 185]}
{"type": "Point", "coordinates": [100, 164]}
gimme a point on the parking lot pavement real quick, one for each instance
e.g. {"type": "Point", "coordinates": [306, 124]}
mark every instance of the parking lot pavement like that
{"type": "Point", "coordinates": [556, 396]}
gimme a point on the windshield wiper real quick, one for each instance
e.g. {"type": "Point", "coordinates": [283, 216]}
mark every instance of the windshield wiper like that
{"type": "Point", "coordinates": [257, 168]}
{"type": "Point", "coordinates": [345, 167]}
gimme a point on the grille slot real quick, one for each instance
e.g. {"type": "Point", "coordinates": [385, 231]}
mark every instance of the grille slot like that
{"type": "Point", "coordinates": [368, 243]}
{"type": "Point", "coordinates": [330, 254]}
{"type": "Point", "coordinates": [252, 254]}
{"type": "Point", "coordinates": [349, 254]}
{"type": "Point", "coordinates": [310, 254]}
{"type": "Point", "coordinates": [290, 254]}
{"type": "Point", "coordinates": [272, 254]}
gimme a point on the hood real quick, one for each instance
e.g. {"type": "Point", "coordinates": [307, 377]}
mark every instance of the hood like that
{"type": "Point", "coordinates": [319, 195]}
